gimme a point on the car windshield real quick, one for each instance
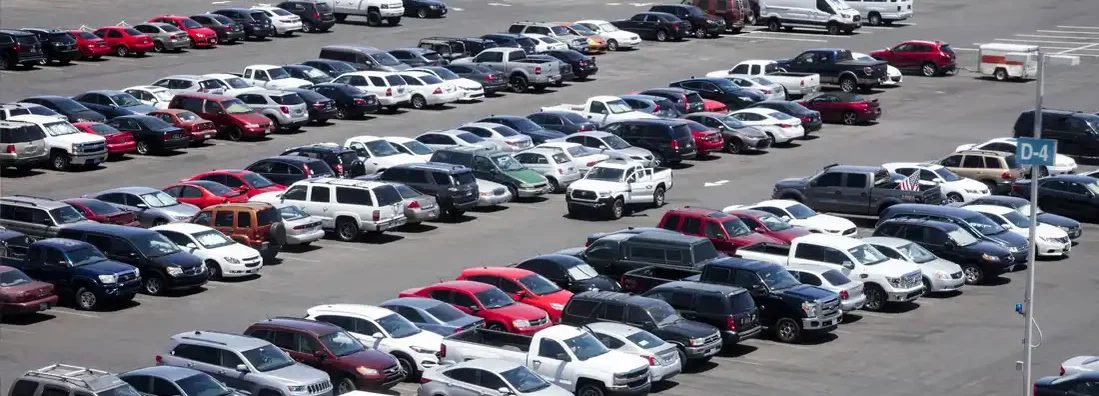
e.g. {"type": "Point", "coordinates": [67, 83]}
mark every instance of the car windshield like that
{"type": "Point", "coordinates": [190, 24]}
{"type": "Point", "coordinates": [618, 106]}
{"type": "Point", "coordinates": [778, 278]}
{"type": "Point", "coordinates": [380, 148]}
{"type": "Point", "coordinates": [835, 277]}
{"type": "Point", "coordinates": [867, 255]}
{"type": "Point", "coordinates": [13, 278]}
{"type": "Point", "coordinates": [548, 40]}
{"type": "Point", "coordinates": [730, 121]}
{"type": "Point", "coordinates": [288, 99]}
{"type": "Point", "coordinates": [133, 32]}
{"type": "Point", "coordinates": [1025, 210]}
{"type": "Point", "coordinates": [773, 223]}
{"type": "Point", "coordinates": [1016, 219]}
{"type": "Point", "coordinates": [60, 128]}
{"type": "Point", "coordinates": [66, 215]}
{"type": "Point", "coordinates": [386, 195]}
{"type": "Point", "coordinates": [582, 272]}
{"type": "Point", "coordinates": [735, 227]}
{"type": "Point", "coordinates": [125, 100]}
{"type": "Point", "coordinates": [236, 83]}
{"type": "Point", "coordinates": [864, 57]}
{"type": "Point", "coordinates": [341, 344]}
{"type": "Point", "coordinates": [398, 327]}
{"type": "Point", "coordinates": [291, 212]}
{"type": "Point", "coordinates": [202, 385]}
{"type": "Point", "coordinates": [212, 239]}
{"type": "Point", "coordinates": [169, 28]}
{"type": "Point", "coordinates": [162, 95]}
{"type": "Point", "coordinates": [524, 380]}
{"type": "Point", "coordinates": [801, 212]}
{"type": "Point", "coordinates": [87, 36]}
{"type": "Point", "coordinates": [311, 72]}
{"type": "Point", "coordinates": [947, 175]}
{"type": "Point", "coordinates": [159, 200]}
{"type": "Point", "coordinates": [780, 115]}
{"type": "Point", "coordinates": [961, 237]}
{"type": "Point", "coordinates": [507, 163]}
{"type": "Point", "coordinates": [154, 245]}
{"type": "Point", "coordinates": [1093, 187]}
{"type": "Point", "coordinates": [469, 137]}
{"type": "Point", "coordinates": [268, 358]}
{"type": "Point", "coordinates": [645, 339]}
{"type": "Point", "coordinates": [446, 313]}
{"type": "Point", "coordinates": [278, 73]}
{"type": "Point", "coordinates": [615, 142]}
{"type": "Point", "coordinates": [235, 106]}
{"type": "Point", "coordinates": [444, 73]}
{"type": "Point", "coordinates": [606, 27]}
{"type": "Point", "coordinates": [663, 313]}
{"type": "Point", "coordinates": [704, 252]}
{"type": "Point", "coordinates": [538, 285]}
{"type": "Point", "coordinates": [85, 256]}
{"type": "Point", "coordinates": [281, 12]}
{"type": "Point", "coordinates": [578, 151]}
{"type": "Point", "coordinates": [560, 158]}
{"type": "Point", "coordinates": [493, 298]}
{"type": "Point", "coordinates": [256, 180]}
{"type": "Point", "coordinates": [123, 390]}
{"type": "Point", "coordinates": [385, 59]}
{"type": "Point", "coordinates": [918, 254]}
{"type": "Point", "coordinates": [604, 173]}
{"type": "Point", "coordinates": [984, 225]}
{"type": "Point", "coordinates": [157, 124]}
{"type": "Point", "coordinates": [586, 346]}
{"type": "Point", "coordinates": [40, 110]}
{"type": "Point", "coordinates": [521, 125]}
{"type": "Point", "coordinates": [505, 131]}
{"type": "Point", "coordinates": [430, 80]}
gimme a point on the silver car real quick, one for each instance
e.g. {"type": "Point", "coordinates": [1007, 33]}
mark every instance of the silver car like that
{"type": "Point", "coordinates": [663, 357]}
{"type": "Point", "coordinates": [165, 36]}
{"type": "Point", "coordinates": [553, 164]}
{"type": "Point", "coordinates": [150, 206]}
{"type": "Point", "coordinates": [851, 293]}
{"type": "Point", "coordinates": [418, 207]}
{"type": "Point", "coordinates": [613, 146]}
{"type": "Point", "coordinates": [1080, 364]}
{"type": "Point", "coordinates": [182, 83]}
{"type": "Point", "coordinates": [301, 228]}
{"type": "Point", "coordinates": [506, 138]}
{"type": "Point", "coordinates": [441, 139]}
{"type": "Point", "coordinates": [770, 89]}
{"type": "Point", "coordinates": [509, 379]}
{"type": "Point", "coordinates": [492, 194]}
{"type": "Point", "coordinates": [287, 110]}
{"type": "Point", "coordinates": [939, 275]}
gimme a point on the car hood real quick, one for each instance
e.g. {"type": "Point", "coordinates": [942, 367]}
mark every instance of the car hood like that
{"type": "Point", "coordinates": [520, 311]}
{"type": "Point", "coordinates": [967, 184]}
{"type": "Point", "coordinates": [424, 339]}
{"type": "Point", "coordinates": [794, 182]}
{"type": "Point", "coordinates": [809, 293]}
{"type": "Point", "coordinates": [620, 362]}
{"type": "Point", "coordinates": [635, 151]}
{"type": "Point", "coordinates": [558, 297]}
{"type": "Point", "coordinates": [237, 250]}
{"type": "Point", "coordinates": [595, 185]}
{"type": "Point", "coordinates": [684, 328]}
{"type": "Point", "coordinates": [298, 374]}
{"type": "Point", "coordinates": [141, 109]}
{"type": "Point", "coordinates": [397, 159]}
{"type": "Point", "coordinates": [462, 322]}
{"type": "Point", "coordinates": [1058, 220]}
{"type": "Point", "coordinates": [1009, 238]}
{"type": "Point", "coordinates": [180, 259]}
{"type": "Point", "coordinates": [825, 222]}
{"type": "Point", "coordinates": [894, 268]}
{"type": "Point", "coordinates": [599, 283]}
{"type": "Point", "coordinates": [1079, 364]}
{"type": "Point", "coordinates": [273, 197]}
{"type": "Point", "coordinates": [105, 267]}
{"type": "Point", "coordinates": [789, 234]}
{"type": "Point", "coordinates": [79, 138]}
{"type": "Point", "coordinates": [754, 238]}
{"type": "Point", "coordinates": [370, 358]}
{"type": "Point", "coordinates": [252, 118]}
{"type": "Point", "coordinates": [487, 186]}
{"type": "Point", "coordinates": [400, 67]}
{"type": "Point", "coordinates": [940, 264]}
{"type": "Point", "coordinates": [181, 209]}
{"type": "Point", "coordinates": [527, 176]}
{"type": "Point", "coordinates": [288, 83]}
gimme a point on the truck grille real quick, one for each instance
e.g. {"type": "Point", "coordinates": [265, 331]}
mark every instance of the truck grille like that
{"type": "Point", "coordinates": [637, 378]}
{"type": "Point", "coordinates": [196, 270]}
{"type": "Point", "coordinates": [584, 195]}
{"type": "Point", "coordinates": [393, 373]}
{"type": "Point", "coordinates": [129, 276]}
{"type": "Point", "coordinates": [319, 387]}
{"type": "Point", "coordinates": [93, 147]}
{"type": "Point", "coordinates": [713, 338]}
{"type": "Point", "coordinates": [829, 307]}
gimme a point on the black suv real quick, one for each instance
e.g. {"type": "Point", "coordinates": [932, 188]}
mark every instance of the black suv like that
{"type": "Point", "coordinates": [722, 90]}
{"type": "Point", "coordinates": [703, 24]}
{"type": "Point", "coordinates": [512, 41]}
{"type": "Point", "coordinates": [19, 48]}
{"type": "Point", "coordinates": [288, 169]}
{"type": "Point", "coordinates": [59, 46]}
{"type": "Point", "coordinates": [616, 254]}
{"type": "Point", "coordinates": [980, 259]}
{"type": "Point", "coordinates": [696, 342]}
{"type": "Point", "coordinates": [256, 23]}
{"type": "Point", "coordinates": [453, 186]}
{"type": "Point", "coordinates": [670, 141]}
{"type": "Point", "coordinates": [344, 161]}
{"type": "Point", "coordinates": [316, 16]}
{"type": "Point", "coordinates": [350, 101]}
{"type": "Point", "coordinates": [163, 265]}
{"type": "Point", "coordinates": [729, 308]}
{"type": "Point", "coordinates": [1076, 132]}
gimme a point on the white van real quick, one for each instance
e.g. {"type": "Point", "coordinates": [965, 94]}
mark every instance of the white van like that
{"type": "Point", "coordinates": [882, 12]}
{"type": "Point", "coordinates": [835, 16]}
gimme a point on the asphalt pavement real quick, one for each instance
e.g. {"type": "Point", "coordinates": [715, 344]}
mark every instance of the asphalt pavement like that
{"type": "Point", "coordinates": [962, 345]}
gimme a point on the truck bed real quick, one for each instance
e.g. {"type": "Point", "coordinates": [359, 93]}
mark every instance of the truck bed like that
{"type": "Point", "coordinates": [643, 279]}
{"type": "Point", "coordinates": [769, 252]}
{"type": "Point", "coordinates": [789, 74]}
{"type": "Point", "coordinates": [494, 339]}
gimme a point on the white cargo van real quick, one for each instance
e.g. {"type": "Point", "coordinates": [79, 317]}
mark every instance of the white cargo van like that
{"type": "Point", "coordinates": [835, 16]}
{"type": "Point", "coordinates": [882, 12]}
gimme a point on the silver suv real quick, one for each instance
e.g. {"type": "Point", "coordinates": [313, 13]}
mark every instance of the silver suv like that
{"type": "Point", "coordinates": [22, 145]}
{"type": "Point", "coordinates": [286, 110]}
{"type": "Point", "coordinates": [66, 379]}
{"type": "Point", "coordinates": [38, 217]}
{"type": "Point", "coordinates": [245, 363]}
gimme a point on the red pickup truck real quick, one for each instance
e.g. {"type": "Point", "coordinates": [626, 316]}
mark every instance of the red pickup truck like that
{"type": "Point", "coordinates": [726, 231]}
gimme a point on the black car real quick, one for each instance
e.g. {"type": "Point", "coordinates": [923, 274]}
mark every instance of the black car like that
{"type": "Point", "coordinates": [163, 265]}
{"type": "Point", "coordinates": [722, 90]}
{"type": "Point", "coordinates": [321, 108]}
{"type": "Point", "coordinates": [287, 170]}
{"type": "Point", "coordinates": [583, 66]}
{"type": "Point", "coordinates": [424, 8]}
{"type": "Point", "coordinates": [450, 48]}
{"type": "Point", "coordinates": [417, 57]}
{"type": "Point", "coordinates": [810, 119]}
{"type": "Point", "coordinates": [330, 67]}
{"type": "Point", "coordinates": [669, 140]}
{"type": "Point", "coordinates": [59, 46]}
{"type": "Point", "coordinates": [492, 80]}
{"type": "Point", "coordinates": [686, 101]}
{"type": "Point", "coordinates": [153, 135]}
{"type": "Point", "coordinates": [453, 186]}
{"type": "Point", "coordinates": [350, 101]}
{"type": "Point", "coordinates": [1080, 384]}
{"type": "Point", "coordinates": [981, 260]}
{"type": "Point", "coordinates": [113, 104]}
{"type": "Point", "coordinates": [474, 45]}
{"type": "Point", "coordinates": [1073, 196]}
{"type": "Point", "coordinates": [702, 25]}
{"type": "Point", "coordinates": [1076, 132]}
{"type": "Point", "coordinates": [659, 26]}
{"type": "Point", "coordinates": [344, 161]}
{"type": "Point", "coordinates": [538, 135]}
{"type": "Point", "coordinates": [729, 308]}
{"type": "Point", "coordinates": [512, 41]}
{"type": "Point", "coordinates": [67, 107]}
{"type": "Point", "coordinates": [565, 122]}
{"type": "Point", "coordinates": [1070, 226]}
{"type": "Point", "coordinates": [569, 273]}
{"type": "Point", "coordinates": [308, 73]}
{"type": "Point", "coordinates": [316, 16]}
{"type": "Point", "coordinates": [19, 48]}
{"type": "Point", "coordinates": [977, 224]}
{"type": "Point", "coordinates": [256, 24]}
{"type": "Point", "coordinates": [227, 30]}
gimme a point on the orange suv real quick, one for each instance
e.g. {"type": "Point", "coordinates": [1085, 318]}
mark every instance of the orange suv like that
{"type": "Point", "coordinates": [257, 225]}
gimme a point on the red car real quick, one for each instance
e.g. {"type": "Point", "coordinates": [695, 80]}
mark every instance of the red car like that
{"type": "Point", "coordinates": [203, 193]}
{"type": "Point", "coordinates": [20, 295]}
{"type": "Point", "coordinates": [500, 312]}
{"type": "Point", "coordinates": [713, 106]}
{"type": "Point", "coordinates": [125, 41]}
{"type": "Point", "coordinates": [726, 231]}
{"type": "Point", "coordinates": [707, 140]}
{"type": "Point", "coordinates": [90, 45]}
{"type": "Point", "coordinates": [197, 128]}
{"type": "Point", "coordinates": [118, 142]}
{"type": "Point", "coordinates": [201, 36]}
{"type": "Point", "coordinates": [247, 182]}
{"type": "Point", "coordinates": [769, 224]}
{"type": "Point", "coordinates": [930, 58]}
{"type": "Point", "coordinates": [842, 107]}
{"type": "Point", "coordinates": [524, 286]}
{"type": "Point", "coordinates": [103, 212]}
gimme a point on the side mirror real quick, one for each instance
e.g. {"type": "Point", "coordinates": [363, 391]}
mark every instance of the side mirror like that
{"type": "Point", "coordinates": [849, 265]}
{"type": "Point", "coordinates": [474, 308]}
{"type": "Point", "coordinates": [759, 230]}
{"type": "Point", "coordinates": [504, 390]}
{"type": "Point", "coordinates": [521, 294]}
{"type": "Point", "coordinates": [242, 368]}
{"type": "Point", "coordinates": [785, 218]}
{"type": "Point", "coordinates": [378, 335]}
{"type": "Point", "coordinates": [950, 244]}
{"type": "Point", "coordinates": [190, 245]}
{"type": "Point", "coordinates": [602, 147]}
{"type": "Point", "coordinates": [141, 206]}
{"type": "Point", "coordinates": [319, 355]}
{"type": "Point", "coordinates": [758, 289]}
{"type": "Point", "coordinates": [562, 356]}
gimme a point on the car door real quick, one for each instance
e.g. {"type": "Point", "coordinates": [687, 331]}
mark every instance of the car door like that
{"type": "Point", "coordinates": [49, 264]}
{"type": "Point", "coordinates": [319, 204]}
{"type": "Point", "coordinates": [640, 186]}
{"type": "Point", "coordinates": [463, 381]}
{"type": "Point", "coordinates": [826, 191]}
{"type": "Point", "coordinates": [854, 194]}
{"type": "Point", "coordinates": [973, 167]}
{"type": "Point", "coordinates": [770, 306]}
{"type": "Point", "coordinates": [551, 362]}
{"type": "Point", "coordinates": [1079, 201]}
{"type": "Point", "coordinates": [163, 387]}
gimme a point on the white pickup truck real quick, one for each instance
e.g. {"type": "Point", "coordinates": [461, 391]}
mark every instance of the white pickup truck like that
{"type": "Point", "coordinates": [602, 110]}
{"type": "Point", "coordinates": [375, 11]}
{"type": "Point", "coordinates": [887, 280]}
{"type": "Point", "coordinates": [564, 355]}
{"type": "Point", "coordinates": [610, 186]}
{"type": "Point", "coordinates": [272, 77]}
{"type": "Point", "coordinates": [796, 84]}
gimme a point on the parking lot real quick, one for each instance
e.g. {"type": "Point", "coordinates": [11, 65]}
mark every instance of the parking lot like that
{"type": "Point", "coordinates": [962, 345]}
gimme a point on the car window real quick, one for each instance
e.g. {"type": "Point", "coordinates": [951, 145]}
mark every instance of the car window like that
{"type": "Point", "coordinates": [320, 194]}
{"type": "Point", "coordinates": [953, 161]}
{"type": "Point", "coordinates": [581, 308]}
{"type": "Point", "coordinates": [973, 161]}
{"type": "Point", "coordinates": [353, 196]}
{"type": "Point", "coordinates": [613, 312]}
{"type": "Point", "coordinates": [831, 179]}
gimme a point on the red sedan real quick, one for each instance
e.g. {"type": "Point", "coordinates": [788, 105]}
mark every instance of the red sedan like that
{"type": "Point", "coordinates": [197, 128]}
{"type": "Point", "coordinates": [842, 107]}
{"type": "Point", "coordinates": [713, 106]}
{"type": "Point", "coordinates": [125, 41]}
{"type": "Point", "coordinates": [500, 312]}
{"type": "Point", "coordinates": [118, 142]}
{"type": "Point", "coordinates": [523, 286]}
{"type": "Point", "coordinates": [930, 58]}
{"type": "Point", "coordinates": [20, 295]}
{"type": "Point", "coordinates": [203, 193]}
{"type": "Point", "coordinates": [707, 140]}
{"type": "Point", "coordinates": [201, 36]}
{"type": "Point", "coordinates": [90, 45]}
{"type": "Point", "coordinates": [247, 182]}
{"type": "Point", "coordinates": [769, 224]}
{"type": "Point", "coordinates": [103, 212]}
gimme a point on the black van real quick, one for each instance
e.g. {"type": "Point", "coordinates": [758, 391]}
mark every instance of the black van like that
{"type": "Point", "coordinates": [670, 141]}
{"type": "Point", "coordinates": [453, 186]}
{"type": "Point", "coordinates": [163, 265]}
{"type": "Point", "coordinates": [616, 254]}
{"type": "Point", "coordinates": [980, 259]}
{"type": "Point", "coordinates": [363, 58]}
{"type": "Point", "coordinates": [726, 307]}
{"type": "Point", "coordinates": [1076, 132]}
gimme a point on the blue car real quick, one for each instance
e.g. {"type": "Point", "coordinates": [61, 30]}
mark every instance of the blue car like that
{"type": "Point", "coordinates": [523, 125]}
{"type": "Point", "coordinates": [432, 315]}
{"type": "Point", "coordinates": [113, 104]}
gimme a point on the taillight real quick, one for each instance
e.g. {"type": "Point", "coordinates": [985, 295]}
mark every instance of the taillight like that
{"type": "Point", "coordinates": [651, 359]}
{"type": "Point", "coordinates": [424, 380]}
{"type": "Point", "coordinates": [1062, 370]}
{"type": "Point", "coordinates": [437, 91]}
{"type": "Point", "coordinates": [593, 163]}
{"type": "Point", "coordinates": [360, 102]}
{"type": "Point", "coordinates": [159, 359]}
{"type": "Point", "coordinates": [10, 149]}
{"type": "Point", "coordinates": [284, 109]}
{"type": "Point", "coordinates": [511, 143]}
{"type": "Point", "coordinates": [307, 171]}
{"type": "Point", "coordinates": [844, 295]}
{"type": "Point", "coordinates": [685, 102]}
{"type": "Point", "coordinates": [490, 77]}
{"type": "Point", "coordinates": [442, 347]}
{"type": "Point", "coordinates": [765, 91]}
{"type": "Point", "coordinates": [588, 243]}
{"type": "Point", "coordinates": [538, 70]}
{"type": "Point", "coordinates": [730, 324]}
{"type": "Point", "coordinates": [339, 168]}
{"type": "Point", "coordinates": [377, 215]}
{"type": "Point", "coordinates": [318, 105]}
{"type": "Point", "coordinates": [165, 136]}
{"type": "Point", "coordinates": [806, 119]}
{"type": "Point", "coordinates": [414, 205]}
{"type": "Point", "coordinates": [1006, 175]}
{"type": "Point", "coordinates": [1035, 390]}
{"type": "Point", "coordinates": [560, 171]}
{"type": "Point", "coordinates": [389, 92]}
{"type": "Point", "coordinates": [657, 108]}
{"type": "Point", "coordinates": [1017, 188]}
{"type": "Point", "coordinates": [301, 227]}
{"type": "Point", "coordinates": [784, 125]}
{"type": "Point", "coordinates": [316, 15]}
{"type": "Point", "coordinates": [675, 145]}
{"type": "Point", "coordinates": [803, 83]}
{"type": "Point", "coordinates": [17, 48]}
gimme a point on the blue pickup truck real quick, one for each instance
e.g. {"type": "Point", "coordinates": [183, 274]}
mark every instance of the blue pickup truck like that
{"type": "Point", "coordinates": [81, 273]}
{"type": "Point", "coordinates": [837, 66]}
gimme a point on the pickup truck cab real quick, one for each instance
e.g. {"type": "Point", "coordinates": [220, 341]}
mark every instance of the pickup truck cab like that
{"type": "Point", "coordinates": [796, 84]}
{"type": "Point", "coordinates": [617, 253]}
{"type": "Point", "coordinates": [79, 272]}
{"type": "Point", "coordinates": [67, 145]}
{"type": "Point", "coordinates": [272, 77]}
{"type": "Point", "coordinates": [855, 190]}
{"type": "Point", "coordinates": [612, 185]}
{"type": "Point", "coordinates": [603, 110]}
{"type": "Point", "coordinates": [374, 10]}
{"type": "Point", "coordinates": [727, 232]}
{"type": "Point", "coordinates": [837, 66]}
{"type": "Point", "coordinates": [566, 356]}
{"type": "Point", "coordinates": [522, 73]}
{"type": "Point", "coordinates": [887, 280]}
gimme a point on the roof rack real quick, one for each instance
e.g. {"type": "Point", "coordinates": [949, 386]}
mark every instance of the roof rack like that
{"type": "Point", "coordinates": [7, 199]}
{"type": "Point", "coordinates": [32, 196]}
{"type": "Point", "coordinates": [69, 374]}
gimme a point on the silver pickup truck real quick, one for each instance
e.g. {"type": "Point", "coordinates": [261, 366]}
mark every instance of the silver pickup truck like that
{"type": "Point", "coordinates": [522, 73]}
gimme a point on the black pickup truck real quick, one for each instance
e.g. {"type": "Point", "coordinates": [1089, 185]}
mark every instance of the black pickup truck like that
{"type": "Point", "coordinates": [837, 66]}
{"type": "Point", "coordinates": [81, 273]}
{"type": "Point", "coordinates": [855, 190]}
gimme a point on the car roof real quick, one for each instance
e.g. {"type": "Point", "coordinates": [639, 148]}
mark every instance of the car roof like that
{"type": "Point", "coordinates": [994, 209]}
{"type": "Point", "coordinates": [737, 262]}
{"type": "Point", "coordinates": [113, 229]}
{"type": "Point", "coordinates": [616, 296]}
{"type": "Point", "coordinates": [778, 203]}
{"type": "Point", "coordinates": [14, 32]}
{"type": "Point", "coordinates": [356, 48]}
{"type": "Point", "coordinates": [660, 121]}
{"type": "Point", "coordinates": [301, 324]}
{"type": "Point", "coordinates": [232, 341]}
{"type": "Point", "coordinates": [703, 212]}
{"type": "Point", "coordinates": [46, 203]}
{"type": "Point", "coordinates": [130, 190]}
{"type": "Point", "coordinates": [854, 168]}
{"type": "Point", "coordinates": [296, 159]}
{"type": "Point", "coordinates": [562, 145]}
{"type": "Point", "coordinates": [1005, 199]}
{"type": "Point", "coordinates": [816, 268]}
{"type": "Point", "coordinates": [701, 286]}
{"type": "Point", "coordinates": [886, 241]}
{"type": "Point", "coordinates": [505, 272]}
{"type": "Point", "coordinates": [488, 125]}
{"type": "Point", "coordinates": [436, 166]}
{"type": "Point", "coordinates": [894, 165]}
{"type": "Point", "coordinates": [62, 244]}
{"type": "Point", "coordinates": [416, 73]}
{"type": "Point", "coordinates": [829, 240]}
{"type": "Point", "coordinates": [1073, 178]}
{"type": "Point", "coordinates": [984, 152]}
{"type": "Point", "coordinates": [618, 329]}
{"type": "Point", "coordinates": [937, 209]}
{"type": "Point", "coordinates": [34, 118]}
{"type": "Point", "coordinates": [182, 227]}
{"type": "Point", "coordinates": [171, 373]}
{"type": "Point", "coordinates": [369, 311]}
{"type": "Point", "coordinates": [398, 139]}
{"type": "Point", "coordinates": [470, 286]}
{"type": "Point", "coordinates": [415, 302]}
{"type": "Point", "coordinates": [206, 96]}
{"type": "Point", "coordinates": [942, 225]}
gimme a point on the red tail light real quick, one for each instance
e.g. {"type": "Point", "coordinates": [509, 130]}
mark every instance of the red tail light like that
{"type": "Point", "coordinates": [424, 380]}
{"type": "Point", "coordinates": [652, 360]}
{"type": "Point", "coordinates": [1006, 175]}
{"type": "Point", "coordinates": [657, 108]}
{"type": "Point", "coordinates": [538, 70]}
{"type": "Point", "coordinates": [389, 92]}
{"type": "Point", "coordinates": [560, 171]}
{"type": "Point", "coordinates": [339, 169]}
{"type": "Point", "coordinates": [1035, 390]}
{"type": "Point", "coordinates": [442, 347]}
{"type": "Point", "coordinates": [803, 83]}
{"type": "Point", "coordinates": [377, 215]}
{"type": "Point", "coordinates": [675, 145]}
{"type": "Point", "coordinates": [307, 171]}
{"type": "Point", "coordinates": [17, 48]}
{"type": "Point", "coordinates": [437, 91]}
{"type": "Point", "coordinates": [359, 102]}
{"type": "Point", "coordinates": [414, 205]}
{"type": "Point", "coordinates": [490, 77]}
{"type": "Point", "coordinates": [593, 163]}
{"type": "Point", "coordinates": [165, 136]}
{"type": "Point", "coordinates": [11, 149]}
{"type": "Point", "coordinates": [1062, 370]}
{"type": "Point", "coordinates": [586, 244]}
{"type": "Point", "coordinates": [318, 105]}
{"type": "Point", "coordinates": [301, 227]}
{"type": "Point", "coordinates": [730, 324]}
{"type": "Point", "coordinates": [784, 125]}
{"type": "Point", "coordinates": [765, 91]}
{"type": "Point", "coordinates": [159, 359]}
{"type": "Point", "coordinates": [806, 119]}
{"type": "Point", "coordinates": [844, 295]}
{"type": "Point", "coordinates": [316, 15]}
{"type": "Point", "coordinates": [1017, 188]}
{"type": "Point", "coordinates": [511, 143]}
{"type": "Point", "coordinates": [685, 102]}
{"type": "Point", "coordinates": [284, 109]}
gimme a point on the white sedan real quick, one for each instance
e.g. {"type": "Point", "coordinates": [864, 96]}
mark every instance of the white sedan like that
{"type": "Point", "coordinates": [379, 154]}
{"type": "Point", "coordinates": [770, 89]}
{"type": "Point", "coordinates": [779, 126]}
{"type": "Point", "coordinates": [956, 188]}
{"type": "Point", "coordinates": [895, 75]}
{"type": "Point", "coordinates": [284, 22]}
{"type": "Point", "coordinates": [151, 95]}
{"type": "Point", "coordinates": [224, 257]}
{"type": "Point", "coordinates": [444, 139]}
{"type": "Point", "coordinates": [411, 146]}
{"type": "Point", "coordinates": [797, 214]}
{"type": "Point", "coordinates": [1062, 163]}
{"type": "Point", "coordinates": [506, 138]}
{"type": "Point", "coordinates": [1052, 241]}
{"type": "Point", "coordinates": [582, 157]}
{"type": "Point", "coordinates": [1080, 364]}
{"type": "Point", "coordinates": [616, 38]}
{"type": "Point", "coordinates": [471, 90]}
{"type": "Point", "coordinates": [429, 90]}
{"type": "Point", "coordinates": [543, 43]}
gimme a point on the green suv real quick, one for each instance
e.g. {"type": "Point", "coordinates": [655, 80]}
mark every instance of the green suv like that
{"type": "Point", "coordinates": [496, 166]}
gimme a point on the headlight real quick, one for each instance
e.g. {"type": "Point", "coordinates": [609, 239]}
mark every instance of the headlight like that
{"type": "Point", "coordinates": [108, 279]}
{"type": "Point", "coordinates": [137, 272]}
{"type": "Point", "coordinates": [296, 388]}
{"type": "Point", "coordinates": [366, 370]}
{"type": "Point", "coordinates": [421, 350]}
{"type": "Point", "coordinates": [521, 323]}
{"type": "Point", "coordinates": [1014, 249]}
{"type": "Point", "coordinates": [484, 194]}
{"type": "Point", "coordinates": [202, 267]}
{"type": "Point", "coordinates": [385, 6]}
{"type": "Point", "coordinates": [620, 378]}
{"type": "Point", "coordinates": [252, 126]}
{"type": "Point", "coordinates": [942, 275]}
{"type": "Point", "coordinates": [433, 7]}
{"type": "Point", "coordinates": [604, 195]}
{"type": "Point", "coordinates": [175, 271]}
{"type": "Point", "coordinates": [895, 282]}
{"type": "Point", "coordinates": [745, 98]}
{"type": "Point", "coordinates": [988, 258]}
{"type": "Point", "coordinates": [809, 308]}
{"type": "Point", "coordinates": [557, 306]}
{"type": "Point", "coordinates": [74, 148]}
{"type": "Point", "coordinates": [231, 260]}
{"type": "Point", "coordinates": [697, 341]}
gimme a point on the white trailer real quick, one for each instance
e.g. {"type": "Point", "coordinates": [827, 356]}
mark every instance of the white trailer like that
{"type": "Point", "coordinates": [1008, 61]}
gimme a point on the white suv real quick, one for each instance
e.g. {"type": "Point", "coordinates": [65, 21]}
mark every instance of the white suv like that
{"type": "Point", "coordinates": [391, 89]}
{"type": "Point", "coordinates": [223, 256]}
{"type": "Point", "coordinates": [378, 154]}
{"type": "Point", "coordinates": [386, 331]}
{"type": "Point", "coordinates": [348, 207]}
{"type": "Point", "coordinates": [67, 145]}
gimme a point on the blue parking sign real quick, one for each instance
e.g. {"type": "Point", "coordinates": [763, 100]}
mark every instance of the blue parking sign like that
{"type": "Point", "coordinates": [1036, 152]}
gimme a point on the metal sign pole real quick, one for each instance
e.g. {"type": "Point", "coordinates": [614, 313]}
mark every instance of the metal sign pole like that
{"type": "Point", "coordinates": [1028, 301]}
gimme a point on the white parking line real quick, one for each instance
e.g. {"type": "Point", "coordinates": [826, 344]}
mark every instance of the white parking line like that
{"type": "Point", "coordinates": [741, 361]}
{"type": "Point", "coordinates": [292, 258]}
{"type": "Point", "coordinates": [7, 329]}
{"type": "Point", "coordinates": [73, 313]}
{"type": "Point", "coordinates": [842, 332]}
{"type": "Point", "coordinates": [876, 315]}
{"type": "Point", "coordinates": [759, 37]}
{"type": "Point", "coordinates": [143, 300]}
{"type": "Point", "coordinates": [1078, 27]}
{"type": "Point", "coordinates": [1064, 31]}
{"type": "Point", "coordinates": [965, 49]}
{"type": "Point", "coordinates": [345, 245]}
{"type": "Point", "coordinates": [1056, 37]}
{"type": "Point", "coordinates": [794, 34]}
{"type": "Point", "coordinates": [1083, 48]}
{"type": "Point", "coordinates": [795, 346]}
{"type": "Point", "coordinates": [1038, 41]}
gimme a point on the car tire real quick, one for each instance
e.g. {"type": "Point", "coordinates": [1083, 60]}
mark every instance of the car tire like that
{"type": "Point", "coordinates": [341, 113]}
{"type": "Point", "coordinates": [617, 209]}
{"type": "Point", "coordinates": [61, 161]}
{"type": "Point", "coordinates": [6, 63]}
{"type": "Point", "coordinates": [954, 197]}
{"type": "Point", "coordinates": [732, 146]}
{"type": "Point", "coordinates": [513, 190]}
{"type": "Point", "coordinates": [848, 84]}
{"type": "Point", "coordinates": [394, 21]}
{"type": "Point", "coordinates": [143, 147]}
{"type": "Point", "coordinates": [421, 13]}
{"type": "Point", "coordinates": [152, 284]}
{"type": "Point", "coordinates": [1000, 74]}
{"type": "Point", "coordinates": [834, 29]}
{"type": "Point", "coordinates": [926, 286]}
{"type": "Point", "coordinates": [788, 331]}
{"type": "Point", "coordinates": [418, 102]}
{"type": "Point", "coordinates": [555, 187]}
{"type": "Point", "coordinates": [340, 17]}
{"type": "Point", "coordinates": [121, 51]}
{"type": "Point", "coordinates": [85, 299]}
{"type": "Point", "coordinates": [875, 297]}
{"type": "Point", "coordinates": [590, 390]}
{"type": "Point", "coordinates": [658, 197]}
{"type": "Point", "coordinates": [373, 19]}
{"type": "Point", "coordinates": [275, 125]}
{"type": "Point", "coordinates": [774, 25]}
{"type": "Point", "coordinates": [612, 45]}
{"type": "Point", "coordinates": [929, 69]}
{"type": "Point", "coordinates": [700, 33]}
{"type": "Point", "coordinates": [409, 367]}
{"type": "Point", "coordinates": [235, 133]}
{"type": "Point", "coordinates": [850, 118]}
{"type": "Point", "coordinates": [344, 385]}
{"type": "Point", "coordinates": [973, 274]}
{"type": "Point", "coordinates": [307, 27]}
{"type": "Point", "coordinates": [215, 269]}
{"type": "Point", "coordinates": [874, 19]}
{"type": "Point", "coordinates": [661, 35]}
{"type": "Point", "coordinates": [347, 230]}
{"type": "Point", "coordinates": [519, 84]}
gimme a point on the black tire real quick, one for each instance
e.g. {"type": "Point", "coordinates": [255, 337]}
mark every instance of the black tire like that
{"type": "Point", "coordinates": [85, 299]}
{"type": "Point", "coordinates": [421, 13]}
{"type": "Point", "coordinates": [347, 230]}
{"type": "Point", "coordinates": [590, 389]}
{"type": "Point", "coordinates": [661, 35]}
{"type": "Point", "coordinates": [850, 118]}
{"type": "Point", "coordinates": [658, 197]}
{"type": "Point", "coordinates": [612, 45]}
{"type": "Point", "coordinates": [158, 47]}
{"type": "Point", "coordinates": [340, 17]}
{"type": "Point", "coordinates": [341, 113]}
{"type": "Point", "coordinates": [788, 331]}
{"type": "Point", "coordinates": [682, 356]}
{"type": "Point", "coordinates": [774, 25]}
{"type": "Point", "coordinates": [849, 84]}
{"type": "Point", "coordinates": [555, 187]}
{"type": "Point", "coordinates": [373, 19]}
{"type": "Point", "coordinates": [307, 27]}
{"type": "Point", "coordinates": [973, 274]}
{"type": "Point", "coordinates": [143, 147]}
{"type": "Point", "coordinates": [875, 297]}
{"type": "Point", "coordinates": [214, 268]}
{"type": "Point", "coordinates": [732, 146]}
{"type": "Point", "coordinates": [1000, 74]}
{"type": "Point", "coordinates": [61, 161]}
{"type": "Point", "coordinates": [954, 197]}
{"type": "Point", "coordinates": [617, 209]}
{"type": "Point", "coordinates": [513, 190]}
{"type": "Point", "coordinates": [452, 212]}
{"type": "Point", "coordinates": [121, 51]}
{"type": "Point", "coordinates": [275, 125]}
{"type": "Point", "coordinates": [277, 233]}
{"type": "Point", "coordinates": [64, 62]}
{"type": "Point", "coordinates": [700, 33]}
{"type": "Point", "coordinates": [409, 367]}
{"type": "Point", "coordinates": [6, 63]}
{"type": "Point", "coordinates": [519, 84]}
{"type": "Point", "coordinates": [344, 385]}
{"type": "Point", "coordinates": [929, 69]}
{"type": "Point", "coordinates": [418, 102]}
{"type": "Point", "coordinates": [834, 29]}
{"type": "Point", "coordinates": [926, 286]}
{"type": "Point", "coordinates": [394, 21]}
{"type": "Point", "coordinates": [874, 19]}
{"type": "Point", "coordinates": [152, 284]}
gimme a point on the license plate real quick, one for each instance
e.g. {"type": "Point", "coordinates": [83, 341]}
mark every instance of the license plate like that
{"type": "Point", "coordinates": [93, 162]}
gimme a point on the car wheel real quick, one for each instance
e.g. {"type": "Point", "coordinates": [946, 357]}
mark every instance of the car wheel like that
{"type": "Point", "coordinates": [393, 21]}
{"type": "Point", "coordinates": [774, 25]}
{"type": "Point", "coordinates": [661, 35]}
{"type": "Point", "coordinates": [122, 51]}
{"type": "Point", "coordinates": [61, 161]}
{"type": "Point", "coordinates": [658, 197]}
{"type": "Point", "coordinates": [850, 118]}
{"type": "Point", "coordinates": [411, 373]}
{"type": "Point", "coordinates": [152, 285]}
{"type": "Point", "coordinates": [373, 19]}
{"type": "Point", "coordinates": [973, 274]}
{"type": "Point", "coordinates": [612, 45]}
{"type": "Point", "coordinates": [143, 148]}
{"type": "Point", "coordinates": [554, 185]}
{"type": "Point", "coordinates": [787, 331]}
{"type": "Point", "coordinates": [341, 113]}
{"type": "Point", "coordinates": [929, 69]}
{"type": "Point", "coordinates": [700, 33]}
{"type": "Point", "coordinates": [954, 198]}
{"type": "Point", "coordinates": [732, 146]}
{"type": "Point", "coordinates": [519, 84]}
{"type": "Point", "coordinates": [275, 125]}
{"type": "Point", "coordinates": [617, 209]}
{"type": "Point", "coordinates": [347, 230]}
{"type": "Point", "coordinates": [590, 390]}
{"type": "Point", "coordinates": [235, 133]}
{"type": "Point", "coordinates": [85, 299]}
{"type": "Point", "coordinates": [875, 19]}
{"type": "Point", "coordinates": [307, 27]}
{"type": "Point", "coordinates": [1000, 74]}
{"type": "Point", "coordinates": [875, 297]}
{"type": "Point", "coordinates": [340, 17]}
{"type": "Point", "coordinates": [926, 285]}
{"type": "Point", "coordinates": [834, 29]}
{"type": "Point", "coordinates": [6, 63]}
{"type": "Point", "coordinates": [214, 268]}
{"type": "Point", "coordinates": [345, 385]}
{"type": "Point", "coordinates": [418, 102]}
{"type": "Point", "coordinates": [421, 13]}
{"type": "Point", "coordinates": [849, 84]}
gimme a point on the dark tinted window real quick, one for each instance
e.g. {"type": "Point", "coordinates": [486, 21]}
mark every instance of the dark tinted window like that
{"type": "Point", "coordinates": [288, 99]}
{"type": "Point", "coordinates": [829, 180]}
{"type": "Point", "coordinates": [671, 222]}
{"type": "Point", "coordinates": [856, 180]}
{"type": "Point", "coordinates": [28, 133]}
{"type": "Point", "coordinates": [614, 312]}
{"type": "Point", "coordinates": [386, 195]}
{"type": "Point", "coordinates": [354, 196]}
{"type": "Point", "coordinates": [681, 132]}
{"type": "Point", "coordinates": [710, 303]}
{"type": "Point", "coordinates": [23, 388]}
{"type": "Point", "coordinates": [582, 308]}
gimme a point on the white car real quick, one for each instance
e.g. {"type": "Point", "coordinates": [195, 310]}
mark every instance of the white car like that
{"type": "Point", "coordinates": [223, 256]}
{"type": "Point", "coordinates": [234, 85]}
{"type": "Point", "coordinates": [894, 74]}
{"type": "Point", "coordinates": [543, 43]}
{"type": "Point", "coordinates": [770, 89]}
{"type": "Point", "coordinates": [391, 89]}
{"type": "Point", "coordinates": [471, 90]}
{"type": "Point", "coordinates": [797, 214]}
{"type": "Point", "coordinates": [832, 279]}
{"type": "Point", "coordinates": [378, 154]}
{"type": "Point", "coordinates": [158, 97]}
{"type": "Point", "coordinates": [1080, 364]}
{"type": "Point", "coordinates": [285, 23]}
{"type": "Point", "coordinates": [504, 136]}
{"type": "Point", "coordinates": [429, 90]}
{"type": "Point", "coordinates": [554, 165]}
{"type": "Point", "coordinates": [384, 330]}
{"type": "Point", "coordinates": [616, 38]}
{"type": "Point", "coordinates": [1052, 241]}
{"type": "Point", "coordinates": [411, 147]}
{"type": "Point", "coordinates": [492, 193]}
{"type": "Point", "coordinates": [583, 158]}
{"type": "Point", "coordinates": [1062, 163]}
{"type": "Point", "coordinates": [956, 188]}
{"type": "Point", "coordinates": [663, 356]}
{"type": "Point", "coordinates": [779, 126]}
{"type": "Point", "coordinates": [448, 138]}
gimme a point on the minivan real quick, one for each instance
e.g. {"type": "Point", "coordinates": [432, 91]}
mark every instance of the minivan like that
{"type": "Point", "coordinates": [670, 141]}
{"type": "Point", "coordinates": [233, 118]}
{"type": "Point", "coordinates": [363, 58]}
{"type": "Point", "coordinates": [977, 224]}
{"type": "Point", "coordinates": [726, 307]}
